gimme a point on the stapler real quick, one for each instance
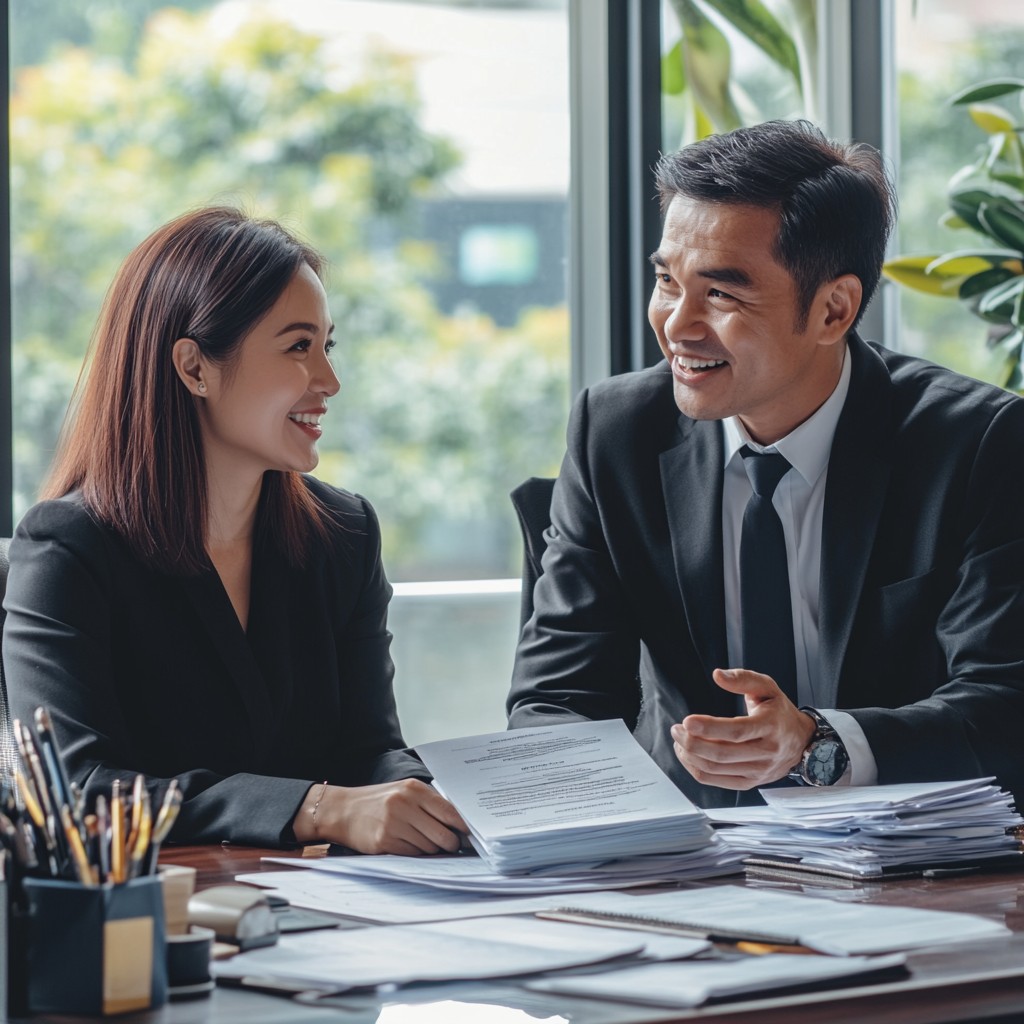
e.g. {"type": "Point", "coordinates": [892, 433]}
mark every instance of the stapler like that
{"type": "Point", "coordinates": [238, 915]}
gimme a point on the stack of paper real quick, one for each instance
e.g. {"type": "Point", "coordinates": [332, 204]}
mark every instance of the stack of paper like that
{"type": "Point", "coordinates": [471, 874]}
{"type": "Point", "coordinates": [876, 831]}
{"type": "Point", "coordinates": [581, 793]}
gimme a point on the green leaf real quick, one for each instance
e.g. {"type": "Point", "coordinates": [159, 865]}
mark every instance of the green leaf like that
{"type": "Point", "coordinates": [981, 283]}
{"type": "Point", "coordinates": [1003, 294]}
{"type": "Point", "coordinates": [761, 27]}
{"type": "Point", "coordinates": [992, 119]}
{"type": "Point", "coordinates": [1004, 222]}
{"type": "Point", "coordinates": [975, 261]}
{"type": "Point", "coordinates": [708, 62]}
{"type": "Point", "coordinates": [987, 91]}
{"type": "Point", "coordinates": [910, 271]}
{"type": "Point", "coordinates": [966, 199]}
{"type": "Point", "coordinates": [673, 74]}
{"type": "Point", "coordinates": [951, 220]}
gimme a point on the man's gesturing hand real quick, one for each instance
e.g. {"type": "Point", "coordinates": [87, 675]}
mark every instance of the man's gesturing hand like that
{"type": "Point", "coordinates": [744, 752]}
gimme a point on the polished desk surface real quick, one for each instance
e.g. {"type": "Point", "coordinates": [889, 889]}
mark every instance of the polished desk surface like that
{"type": "Point", "coordinates": [977, 982]}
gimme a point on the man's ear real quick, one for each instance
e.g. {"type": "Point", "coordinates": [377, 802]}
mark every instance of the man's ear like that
{"type": "Point", "coordinates": [840, 304]}
{"type": "Point", "coordinates": [188, 362]}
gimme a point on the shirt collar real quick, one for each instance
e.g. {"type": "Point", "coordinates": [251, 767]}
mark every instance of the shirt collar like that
{"type": "Point", "coordinates": [807, 447]}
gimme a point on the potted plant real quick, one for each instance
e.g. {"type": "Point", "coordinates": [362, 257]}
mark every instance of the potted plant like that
{"type": "Point", "coordinates": [986, 197]}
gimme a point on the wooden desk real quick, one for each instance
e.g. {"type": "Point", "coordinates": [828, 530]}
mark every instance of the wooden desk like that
{"type": "Point", "coordinates": [979, 982]}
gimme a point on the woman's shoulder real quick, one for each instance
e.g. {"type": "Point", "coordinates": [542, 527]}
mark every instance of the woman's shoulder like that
{"type": "Point", "coordinates": [345, 508]}
{"type": "Point", "coordinates": [349, 518]}
{"type": "Point", "coordinates": [68, 519]}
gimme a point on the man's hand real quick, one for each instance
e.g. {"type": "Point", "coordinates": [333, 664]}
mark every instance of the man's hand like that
{"type": "Point", "coordinates": [407, 817]}
{"type": "Point", "coordinates": [744, 752]}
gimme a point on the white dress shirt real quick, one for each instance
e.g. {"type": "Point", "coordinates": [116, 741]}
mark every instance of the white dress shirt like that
{"type": "Point", "coordinates": [799, 500]}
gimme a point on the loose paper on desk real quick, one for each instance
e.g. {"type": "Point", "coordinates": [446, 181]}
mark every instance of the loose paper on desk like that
{"type": "Point", "coordinates": [695, 982]}
{"type": "Point", "coordinates": [842, 929]}
{"type": "Point", "coordinates": [562, 794]}
{"type": "Point", "coordinates": [482, 948]}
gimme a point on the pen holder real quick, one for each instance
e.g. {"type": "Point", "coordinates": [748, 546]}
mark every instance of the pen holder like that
{"type": "Point", "coordinates": [13, 969]}
{"type": "Point", "coordinates": [95, 950]}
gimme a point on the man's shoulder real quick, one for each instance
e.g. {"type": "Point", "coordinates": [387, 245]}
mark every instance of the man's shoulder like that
{"type": "Point", "coordinates": [912, 375]}
{"type": "Point", "coordinates": [632, 398]}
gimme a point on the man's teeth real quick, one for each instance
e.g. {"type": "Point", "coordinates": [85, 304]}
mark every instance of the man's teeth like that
{"type": "Point", "coordinates": [699, 364]}
{"type": "Point", "coordinates": [306, 417]}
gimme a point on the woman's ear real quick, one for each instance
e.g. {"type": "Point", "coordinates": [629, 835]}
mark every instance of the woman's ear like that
{"type": "Point", "coordinates": [188, 362]}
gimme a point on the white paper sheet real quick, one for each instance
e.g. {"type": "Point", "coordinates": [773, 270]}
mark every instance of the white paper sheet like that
{"type": "Point", "coordinates": [494, 947]}
{"type": "Point", "coordinates": [558, 794]}
{"type": "Point", "coordinates": [842, 929]}
{"type": "Point", "coordinates": [693, 983]}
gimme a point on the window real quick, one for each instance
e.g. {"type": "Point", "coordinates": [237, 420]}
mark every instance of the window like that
{"type": "Point", "coordinates": [424, 148]}
{"type": "Point", "coordinates": [941, 47]}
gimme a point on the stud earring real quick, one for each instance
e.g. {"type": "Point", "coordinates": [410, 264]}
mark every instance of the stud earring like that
{"type": "Point", "coordinates": [201, 387]}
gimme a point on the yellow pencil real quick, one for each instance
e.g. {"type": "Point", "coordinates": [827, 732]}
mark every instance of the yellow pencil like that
{"type": "Point", "coordinates": [116, 833]}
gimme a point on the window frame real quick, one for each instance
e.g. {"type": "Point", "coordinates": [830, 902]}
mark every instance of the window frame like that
{"type": "Point", "coordinates": [615, 101]}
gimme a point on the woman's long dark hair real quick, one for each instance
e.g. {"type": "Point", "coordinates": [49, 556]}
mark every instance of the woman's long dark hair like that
{"type": "Point", "coordinates": [131, 442]}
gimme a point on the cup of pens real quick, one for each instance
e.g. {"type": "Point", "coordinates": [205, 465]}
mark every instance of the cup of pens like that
{"type": "Point", "coordinates": [85, 905]}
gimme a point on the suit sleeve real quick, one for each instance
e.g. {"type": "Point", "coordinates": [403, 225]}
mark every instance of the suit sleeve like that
{"type": "Point", "coordinates": [578, 655]}
{"type": "Point", "coordinates": [972, 723]}
{"type": "Point", "coordinates": [373, 742]}
{"type": "Point", "coordinates": [57, 651]}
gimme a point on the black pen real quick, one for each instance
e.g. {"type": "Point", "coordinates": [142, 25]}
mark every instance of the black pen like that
{"type": "Point", "coordinates": [59, 784]}
{"type": "Point", "coordinates": [103, 837]}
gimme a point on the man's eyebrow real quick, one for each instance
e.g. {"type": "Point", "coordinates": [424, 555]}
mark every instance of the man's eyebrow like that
{"type": "Point", "coordinates": [656, 259]}
{"type": "Point", "coordinates": [727, 275]}
{"type": "Point", "coordinates": [302, 326]}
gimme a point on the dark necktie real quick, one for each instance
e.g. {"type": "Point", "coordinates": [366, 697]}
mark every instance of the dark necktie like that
{"type": "Point", "coordinates": [766, 611]}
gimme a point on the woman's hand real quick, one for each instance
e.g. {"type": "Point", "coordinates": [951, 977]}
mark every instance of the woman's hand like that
{"type": "Point", "coordinates": [407, 817]}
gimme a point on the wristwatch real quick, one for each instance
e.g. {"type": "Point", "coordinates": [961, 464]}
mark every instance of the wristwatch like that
{"type": "Point", "coordinates": [825, 759]}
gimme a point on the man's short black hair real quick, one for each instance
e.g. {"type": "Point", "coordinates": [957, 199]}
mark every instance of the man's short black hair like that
{"type": "Point", "coordinates": [835, 202]}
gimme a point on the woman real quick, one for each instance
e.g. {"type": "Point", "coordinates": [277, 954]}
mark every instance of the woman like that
{"type": "Point", "coordinates": [188, 605]}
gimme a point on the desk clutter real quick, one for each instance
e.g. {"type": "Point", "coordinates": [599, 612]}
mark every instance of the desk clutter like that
{"type": "Point", "coordinates": [876, 833]}
{"type": "Point", "coordinates": [82, 903]}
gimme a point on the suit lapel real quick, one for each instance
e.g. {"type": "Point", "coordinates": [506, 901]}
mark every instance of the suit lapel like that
{"type": "Point", "coordinates": [224, 631]}
{"type": "Point", "coordinates": [691, 477]}
{"type": "Point", "coordinates": [858, 480]}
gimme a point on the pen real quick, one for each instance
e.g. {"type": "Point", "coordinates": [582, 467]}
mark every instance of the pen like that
{"type": "Point", "coordinates": [54, 762]}
{"type": "Point", "coordinates": [102, 837]}
{"type": "Point", "coordinates": [763, 948]}
{"type": "Point", "coordinates": [141, 845]}
{"type": "Point", "coordinates": [136, 819]}
{"type": "Point", "coordinates": [79, 861]}
{"type": "Point", "coordinates": [164, 822]}
{"type": "Point", "coordinates": [116, 833]}
{"type": "Point", "coordinates": [40, 789]}
{"type": "Point", "coordinates": [37, 819]}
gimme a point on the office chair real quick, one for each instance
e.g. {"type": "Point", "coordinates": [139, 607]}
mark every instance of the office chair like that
{"type": "Point", "coordinates": [532, 502]}
{"type": "Point", "coordinates": [7, 760]}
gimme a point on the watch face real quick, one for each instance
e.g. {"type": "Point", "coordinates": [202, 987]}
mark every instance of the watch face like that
{"type": "Point", "coordinates": [826, 761]}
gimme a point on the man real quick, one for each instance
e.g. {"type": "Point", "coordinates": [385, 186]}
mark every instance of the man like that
{"type": "Point", "coordinates": [858, 619]}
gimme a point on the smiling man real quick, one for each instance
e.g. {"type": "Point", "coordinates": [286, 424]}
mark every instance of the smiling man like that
{"type": "Point", "coordinates": [784, 554]}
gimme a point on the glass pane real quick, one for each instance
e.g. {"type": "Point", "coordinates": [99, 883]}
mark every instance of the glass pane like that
{"type": "Point", "coordinates": [942, 47]}
{"type": "Point", "coordinates": [424, 148]}
{"type": "Point", "coordinates": [727, 65]}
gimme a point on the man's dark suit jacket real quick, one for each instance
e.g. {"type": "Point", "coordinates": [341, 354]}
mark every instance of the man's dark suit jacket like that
{"type": "Point", "coordinates": [921, 616]}
{"type": "Point", "coordinates": [145, 672]}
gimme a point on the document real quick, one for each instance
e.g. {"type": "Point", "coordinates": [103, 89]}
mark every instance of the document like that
{"type": "Point", "coordinates": [695, 982]}
{"type": "Point", "coordinates": [472, 874]}
{"type": "Point", "coordinates": [563, 794]}
{"type": "Point", "coordinates": [734, 913]}
{"type": "Point", "coordinates": [497, 947]}
{"type": "Point", "coordinates": [869, 832]}
{"type": "Point", "coordinates": [390, 900]}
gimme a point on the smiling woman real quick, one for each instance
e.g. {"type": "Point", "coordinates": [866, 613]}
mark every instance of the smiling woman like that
{"type": "Point", "coordinates": [186, 603]}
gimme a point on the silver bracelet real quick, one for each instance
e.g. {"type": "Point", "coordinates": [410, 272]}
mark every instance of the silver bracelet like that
{"type": "Point", "coordinates": [316, 807]}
